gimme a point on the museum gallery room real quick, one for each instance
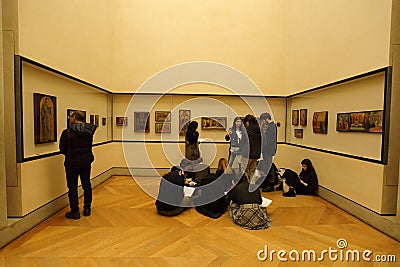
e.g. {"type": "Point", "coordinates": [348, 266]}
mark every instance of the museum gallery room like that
{"type": "Point", "coordinates": [141, 72]}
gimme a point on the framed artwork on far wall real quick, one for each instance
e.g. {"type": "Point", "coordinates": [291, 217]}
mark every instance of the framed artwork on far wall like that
{"type": "Point", "coordinates": [213, 123]}
{"type": "Point", "coordinates": [374, 121]}
{"type": "Point", "coordinates": [163, 116]}
{"type": "Point", "coordinates": [295, 117]}
{"type": "Point", "coordinates": [162, 127]}
{"type": "Point", "coordinates": [121, 121]}
{"type": "Point", "coordinates": [70, 111]}
{"type": "Point", "coordinates": [94, 119]}
{"type": "Point", "coordinates": [303, 117]}
{"type": "Point", "coordinates": [104, 121]}
{"type": "Point", "coordinates": [357, 121]}
{"type": "Point", "coordinates": [320, 122]}
{"type": "Point", "coordinates": [184, 120]}
{"type": "Point", "coordinates": [343, 122]}
{"type": "Point", "coordinates": [45, 118]}
{"type": "Point", "coordinates": [298, 133]}
{"type": "Point", "coordinates": [142, 122]}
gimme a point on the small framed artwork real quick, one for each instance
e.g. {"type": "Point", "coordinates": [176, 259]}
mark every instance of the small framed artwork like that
{"type": "Point", "coordinates": [163, 116]}
{"type": "Point", "coordinates": [303, 117]}
{"type": "Point", "coordinates": [45, 118]}
{"type": "Point", "coordinates": [70, 111]}
{"type": "Point", "coordinates": [298, 133]}
{"type": "Point", "coordinates": [343, 122]}
{"type": "Point", "coordinates": [184, 120]}
{"type": "Point", "coordinates": [103, 121]}
{"type": "Point", "coordinates": [320, 122]}
{"type": "Point", "coordinates": [163, 127]}
{"type": "Point", "coordinates": [142, 122]}
{"type": "Point", "coordinates": [121, 121]}
{"type": "Point", "coordinates": [213, 123]}
{"type": "Point", "coordinates": [94, 119]}
{"type": "Point", "coordinates": [295, 117]}
{"type": "Point", "coordinates": [357, 122]}
{"type": "Point", "coordinates": [374, 121]}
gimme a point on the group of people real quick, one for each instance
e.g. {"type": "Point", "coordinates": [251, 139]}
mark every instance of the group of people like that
{"type": "Point", "coordinates": [214, 194]}
{"type": "Point", "coordinates": [253, 144]}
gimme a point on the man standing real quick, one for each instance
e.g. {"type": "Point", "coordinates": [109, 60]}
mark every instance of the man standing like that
{"type": "Point", "coordinates": [76, 144]}
{"type": "Point", "coordinates": [268, 148]}
{"type": "Point", "coordinates": [251, 149]}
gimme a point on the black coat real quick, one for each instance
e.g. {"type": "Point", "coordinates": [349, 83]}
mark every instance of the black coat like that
{"type": "Point", "coordinates": [240, 194]}
{"type": "Point", "coordinates": [269, 140]}
{"type": "Point", "coordinates": [76, 144]}
{"type": "Point", "coordinates": [170, 194]}
{"type": "Point", "coordinates": [251, 142]}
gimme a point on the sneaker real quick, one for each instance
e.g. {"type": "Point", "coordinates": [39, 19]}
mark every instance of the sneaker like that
{"type": "Point", "coordinates": [290, 193]}
{"type": "Point", "coordinates": [86, 212]}
{"type": "Point", "coordinates": [73, 215]}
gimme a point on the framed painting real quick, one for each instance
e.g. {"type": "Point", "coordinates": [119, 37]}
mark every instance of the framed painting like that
{"type": "Point", "coordinates": [184, 120]}
{"type": "Point", "coordinates": [70, 111]}
{"type": "Point", "coordinates": [45, 118]}
{"type": "Point", "coordinates": [94, 119]}
{"type": "Point", "coordinates": [213, 123]}
{"type": "Point", "coordinates": [357, 122]}
{"type": "Point", "coordinates": [121, 121]}
{"type": "Point", "coordinates": [163, 127]}
{"type": "Point", "coordinates": [320, 122]}
{"type": "Point", "coordinates": [163, 116]}
{"type": "Point", "coordinates": [343, 122]}
{"type": "Point", "coordinates": [142, 122]}
{"type": "Point", "coordinates": [104, 121]}
{"type": "Point", "coordinates": [374, 121]}
{"type": "Point", "coordinates": [298, 133]}
{"type": "Point", "coordinates": [295, 117]}
{"type": "Point", "coordinates": [303, 117]}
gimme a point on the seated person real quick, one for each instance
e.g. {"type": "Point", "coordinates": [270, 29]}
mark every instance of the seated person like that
{"type": "Point", "coordinates": [222, 165]}
{"type": "Point", "coordinates": [270, 179]}
{"type": "Point", "coordinates": [170, 194]}
{"type": "Point", "coordinates": [195, 169]}
{"type": "Point", "coordinates": [306, 183]}
{"type": "Point", "coordinates": [212, 201]}
{"type": "Point", "coordinates": [245, 208]}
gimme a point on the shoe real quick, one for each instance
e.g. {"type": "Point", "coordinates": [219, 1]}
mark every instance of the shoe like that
{"type": "Point", "coordinates": [290, 193]}
{"type": "Point", "coordinates": [73, 215]}
{"type": "Point", "coordinates": [279, 187]}
{"type": "Point", "coordinates": [86, 212]}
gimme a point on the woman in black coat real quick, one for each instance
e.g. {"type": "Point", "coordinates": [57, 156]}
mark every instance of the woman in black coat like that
{"type": "Point", "coordinates": [306, 183]}
{"type": "Point", "coordinates": [192, 151]}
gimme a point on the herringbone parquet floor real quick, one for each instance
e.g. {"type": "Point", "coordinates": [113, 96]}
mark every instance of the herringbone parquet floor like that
{"type": "Point", "coordinates": [125, 230]}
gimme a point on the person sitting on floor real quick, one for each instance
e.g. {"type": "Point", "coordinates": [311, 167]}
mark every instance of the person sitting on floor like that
{"type": "Point", "coordinates": [306, 183]}
{"type": "Point", "coordinates": [245, 209]}
{"type": "Point", "coordinates": [222, 165]}
{"type": "Point", "coordinates": [212, 201]}
{"type": "Point", "coordinates": [170, 194]}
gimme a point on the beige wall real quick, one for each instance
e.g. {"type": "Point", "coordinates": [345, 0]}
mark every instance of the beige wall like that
{"type": "Point", "coordinates": [366, 94]}
{"type": "Point", "coordinates": [69, 95]}
{"type": "Point", "coordinates": [358, 181]}
{"type": "Point", "coordinates": [3, 208]}
{"type": "Point", "coordinates": [331, 40]}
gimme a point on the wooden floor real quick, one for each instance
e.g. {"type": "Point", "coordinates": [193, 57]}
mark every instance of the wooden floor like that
{"type": "Point", "coordinates": [125, 230]}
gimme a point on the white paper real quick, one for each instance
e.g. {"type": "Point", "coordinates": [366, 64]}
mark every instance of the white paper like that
{"type": "Point", "coordinates": [265, 202]}
{"type": "Point", "coordinates": [188, 191]}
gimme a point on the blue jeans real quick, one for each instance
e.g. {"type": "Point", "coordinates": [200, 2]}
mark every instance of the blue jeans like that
{"type": "Point", "coordinates": [234, 153]}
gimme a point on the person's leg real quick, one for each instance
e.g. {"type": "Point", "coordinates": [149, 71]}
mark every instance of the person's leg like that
{"type": "Point", "coordinates": [87, 189]}
{"type": "Point", "coordinates": [72, 184]}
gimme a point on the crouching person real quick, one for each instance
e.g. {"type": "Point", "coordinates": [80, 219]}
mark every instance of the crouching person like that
{"type": "Point", "coordinates": [170, 194]}
{"type": "Point", "coordinates": [245, 209]}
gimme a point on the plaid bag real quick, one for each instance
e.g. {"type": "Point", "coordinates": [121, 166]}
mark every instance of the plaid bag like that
{"type": "Point", "coordinates": [249, 216]}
